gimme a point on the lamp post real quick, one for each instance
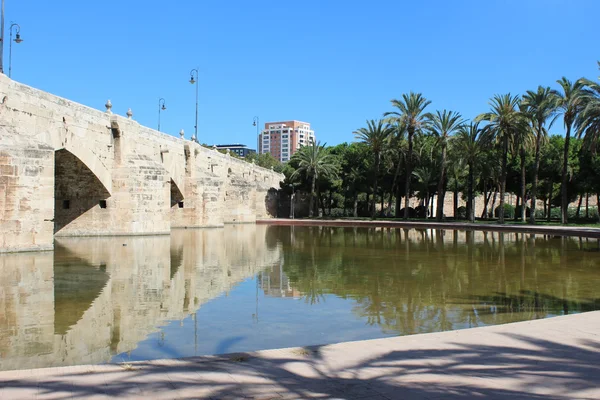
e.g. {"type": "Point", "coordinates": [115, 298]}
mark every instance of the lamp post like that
{"type": "Point", "coordinates": [17, 40]}
{"type": "Point", "coordinates": [195, 81]}
{"type": "Point", "coordinates": [292, 202]}
{"type": "Point", "coordinates": [256, 123]}
{"type": "Point", "coordinates": [2, 38]}
{"type": "Point", "coordinates": [161, 106]}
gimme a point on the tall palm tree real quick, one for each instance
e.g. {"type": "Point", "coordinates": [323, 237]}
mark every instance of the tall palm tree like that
{"type": "Point", "coordinates": [376, 135]}
{"type": "Point", "coordinates": [426, 178]}
{"type": "Point", "coordinates": [410, 114]}
{"type": "Point", "coordinates": [523, 140]}
{"type": "Point", "coordinates": [504, 121]}
{"type": "Point", "coordinates": [589, 118]}
{"type": "Point", "coordinates": [468, 146]}
{"type": "Point", "coordinates": [570, 105]}
{"type": "Point", "coordinates": [315, 161]}
{"type": "Point", "coordinates": [443, 125]}
{"type": "Point", "coordinates": [540, 109]}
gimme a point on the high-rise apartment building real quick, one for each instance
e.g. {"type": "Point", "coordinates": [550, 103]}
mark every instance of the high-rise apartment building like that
{"type": "Point", "coordinates": [283, 139]}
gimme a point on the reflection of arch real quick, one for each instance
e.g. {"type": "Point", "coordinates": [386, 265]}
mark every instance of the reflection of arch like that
{"type": "Point", "coordinates": [73, 296]}
{"type": "Point", "coordinates": [91, 161]}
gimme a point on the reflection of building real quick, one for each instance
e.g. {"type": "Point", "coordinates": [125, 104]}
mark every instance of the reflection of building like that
{"type": "Point", "coordinates": [241, 150]}
{"type": "Point", "coordinates": [275, 283]}
{"type": "Point", "coordinates": [283, 139]}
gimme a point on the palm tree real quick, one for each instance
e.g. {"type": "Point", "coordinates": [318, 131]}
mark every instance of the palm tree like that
{"type": "Point", "coordinates": [314, 161]}
{"type": "Point", "coordinates": [443, 125]}
{"type": "Point", "coordinates": [504, 121]}
{"type": "Point", "coordinates": [570, 105]}
{"type": "Point", "coordinates": [398, 150]}
{"type": "Point", "coordinates": [410, 114]}
{"type": "Point", "coordinates": [376, 135]}
{"type": "Point", "coordinates": [589, 118]}
{"type": "Point", "coordinates": [426, 178]}
{"type": "Point", "coordinates": [468, 146]}
{"type": "Point", "coordinates": [523, 139]}
{"type": "Point", "coordinates": [539, 107]}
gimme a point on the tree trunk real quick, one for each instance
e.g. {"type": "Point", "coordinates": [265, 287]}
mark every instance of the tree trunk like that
{"type": "Point", "coordinates": [579, 206]}
{"type": "Point", "coordinates": [536, 168]}
{"type": "Point", "coordinates": [564, 217]}
{"type": "Point", "coordinates": [368, 204]}
{"type": "Point", "coordinates": [493, 203]}
{"type": "Point", "coordinates": [517, 204]}
{"type": "Point", "coordinates": [312, 197]}
{"type": "Point", "coordinates": [408, 172]}
{"type": "Point", "coordinates": [587, 205]}
{"type": "Point", "coordinates": [329, 205]}
{"type": "Point", "coordinates": [470, 205]}
{"type": "Point", "coordinates": [549, 202]}
{"type": "Point", "coordinates": [456, 200]}
{"type": "Point", "coordinates": [374, 200]}
{"type": "Point", "coordinates": [486, 198]}
{"type": "Point", "coordinates": [398, 204]}
{"type": "Point", "coordinates": [523, 184]}
{"type": "Point", "coordinates": [389, 208]}
{"type": "Point", "coordinates": [355, 207]}
{"type": "Point", "coordinates": [431, 205]}
{"type": "Point", "coordinates": [382, 202]}
{"type": "Point", "coordinates": [503, 178]}
{"type": "Point", "coordinates": [440, 188]}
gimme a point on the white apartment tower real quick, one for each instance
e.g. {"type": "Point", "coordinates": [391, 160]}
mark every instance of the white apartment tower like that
{"type": "Point", "coordinates": [283, 139]}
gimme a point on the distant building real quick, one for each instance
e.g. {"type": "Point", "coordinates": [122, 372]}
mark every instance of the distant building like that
{"type": "Point", "coordinates": [283, 139]}
{"type": "Point", "coordinates": [241, 150]}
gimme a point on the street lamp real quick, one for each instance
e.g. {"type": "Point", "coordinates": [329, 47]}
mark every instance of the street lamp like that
{"type": "Point", "coordinates": [256, 123]}
{"type": "Point", "coordinates": [17, 40]}
{"type": "Point", "coordinates": [195, 81]}
{"type": "Point", "coordinates": [161, 106]}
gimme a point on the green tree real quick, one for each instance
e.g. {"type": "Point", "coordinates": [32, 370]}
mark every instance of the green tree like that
{"type": "Point", "coordinates": [504, 121]}
{"type": "Point", "coordinates": [314, 161]}
{"type": "Point", "coordinates": [540, 109]}
{"type": "Point", "coordinates": [468, 146]}
{"type": "Point", "coordinates": [443, 125]}
{"type": "Point", "coordinates": [376, 135]}
{"type": "Point", "coordinates": [411, 114]}
{"type": "Point", "coordinates": [570, 105]}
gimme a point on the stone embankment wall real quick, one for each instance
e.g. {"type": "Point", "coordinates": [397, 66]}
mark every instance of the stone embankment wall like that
{"type": "Point", "coordinates": [70, 170]}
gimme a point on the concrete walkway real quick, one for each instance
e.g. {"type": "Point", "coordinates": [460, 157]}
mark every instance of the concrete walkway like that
{"type": "Point", "coordinates": [556, 358]}
{"type": "Point", "coordinates": [558, 230]}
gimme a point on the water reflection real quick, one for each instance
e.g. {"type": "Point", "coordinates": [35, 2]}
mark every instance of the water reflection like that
{"type": "Point", "coordinates": [95, 297]}
{"type": "Point", "coordinates": [413, 281]}
{"type": "Point", "coordinates": [247, 287]}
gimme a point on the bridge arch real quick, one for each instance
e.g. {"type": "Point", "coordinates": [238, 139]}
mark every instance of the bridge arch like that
{"type": "Point", "coordinates": [91, 161]}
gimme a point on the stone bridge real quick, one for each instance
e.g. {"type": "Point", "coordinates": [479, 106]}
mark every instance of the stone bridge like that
{"type": "Point", "coordinates": [70, 170]}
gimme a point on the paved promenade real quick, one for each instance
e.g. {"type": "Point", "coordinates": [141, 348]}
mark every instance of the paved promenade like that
{"type": "Point", "coordinates": [556, 358]}
{"type": "Point", "coordinates": [558, 230]}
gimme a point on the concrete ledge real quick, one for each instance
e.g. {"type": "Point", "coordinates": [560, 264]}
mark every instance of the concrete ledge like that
{"type": "Point", "coordinates": [27, 249]}
{"type": "Point", "coordinates": [555, 358]}
{"type": "Point", "coordinates": [463, 226]}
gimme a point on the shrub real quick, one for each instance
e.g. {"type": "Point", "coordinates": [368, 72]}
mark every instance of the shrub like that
{"type": "Point", "coordinates": [461, 212]}
{"type": "Point", "coordinates": [509, 211]}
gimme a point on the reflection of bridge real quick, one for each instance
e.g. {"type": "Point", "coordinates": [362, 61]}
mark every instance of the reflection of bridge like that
{"type": "Point", "coordinates": [97, 297]}
{"type": "Point", "coordinates": [71, 170]}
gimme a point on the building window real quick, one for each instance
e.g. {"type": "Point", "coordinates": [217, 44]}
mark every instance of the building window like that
{"type": "Point", "coordinates": [102, 203]}
{"type": "Point", "coordinates": [180, 204]}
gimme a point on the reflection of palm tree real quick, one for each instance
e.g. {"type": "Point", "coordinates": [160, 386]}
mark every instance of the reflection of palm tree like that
{"type": "Point", "coordinates": [477, 278]}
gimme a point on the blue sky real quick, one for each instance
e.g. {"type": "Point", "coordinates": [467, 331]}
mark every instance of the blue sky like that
{"type": "Point", "coordinates": [333, 63]}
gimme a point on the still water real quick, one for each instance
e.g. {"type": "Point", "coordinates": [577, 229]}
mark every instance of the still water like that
{"type": "Point", "coordinates": [247, 287]}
